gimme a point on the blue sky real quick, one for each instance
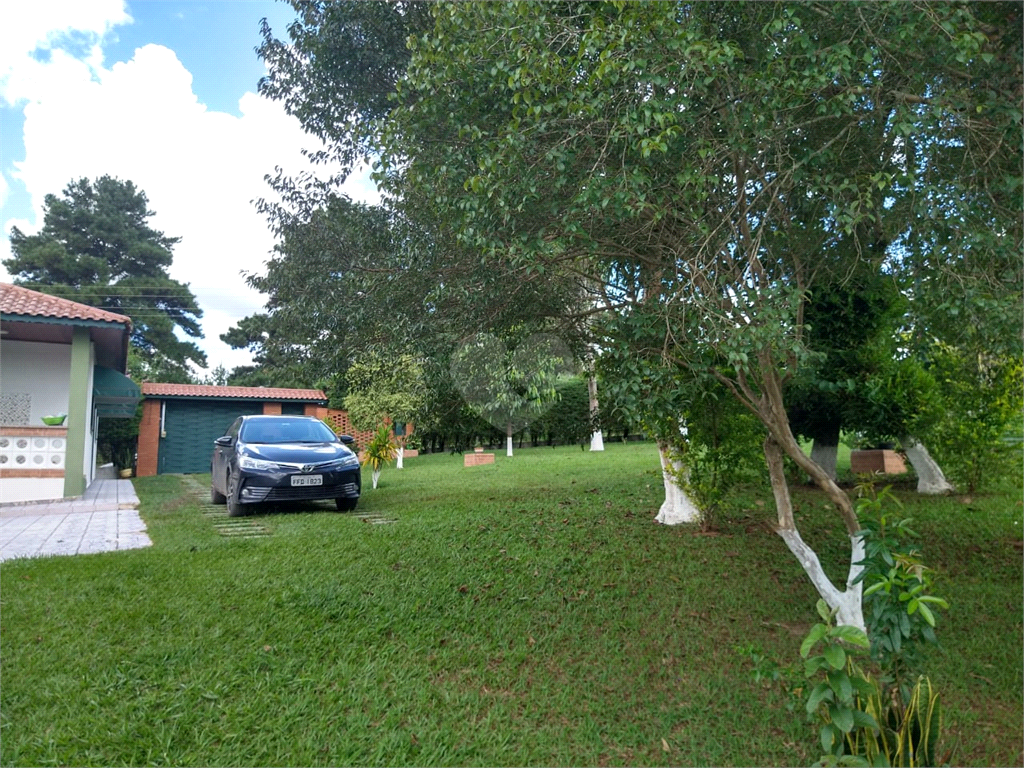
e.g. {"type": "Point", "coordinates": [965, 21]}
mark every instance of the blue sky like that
{"type": "Point", "coordinates": [162, 93]}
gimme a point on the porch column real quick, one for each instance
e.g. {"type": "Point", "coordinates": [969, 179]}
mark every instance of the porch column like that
{"type": "Point", "coordinates": [78, 414]}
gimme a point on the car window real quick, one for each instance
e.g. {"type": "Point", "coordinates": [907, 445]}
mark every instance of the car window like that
{"type": "Point", "coordinates": [287, 431]}
{"type": "Point", "coordinates": [233, 429]}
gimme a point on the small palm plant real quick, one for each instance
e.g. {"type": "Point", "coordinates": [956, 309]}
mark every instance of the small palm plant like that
{"type": "Point", "coordinates": [380, 451]}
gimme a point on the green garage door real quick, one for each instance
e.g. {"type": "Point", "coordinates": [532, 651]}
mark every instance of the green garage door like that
{"type": "Point", "coordinates": [192, 426]}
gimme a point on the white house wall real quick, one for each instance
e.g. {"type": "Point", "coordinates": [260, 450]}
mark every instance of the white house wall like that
{"type": "Point", "coordinates": [38, 376]}
{"type": "Point", "coordinates": [15, 489]}
{"type": "Point", "coordinates": [40, 371]}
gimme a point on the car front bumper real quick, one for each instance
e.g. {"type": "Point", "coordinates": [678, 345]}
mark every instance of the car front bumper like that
{"type": "Point", "coordinates": [259, 487]}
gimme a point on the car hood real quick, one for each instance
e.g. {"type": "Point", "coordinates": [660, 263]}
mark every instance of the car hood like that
{"type": "Point", "coordinates": [297, 453]}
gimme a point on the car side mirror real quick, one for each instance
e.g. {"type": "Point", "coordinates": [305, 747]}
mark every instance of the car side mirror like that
{"type": "Point", "coordinates": [347, 439]}
{"type": "Point", "coordinates": [224, 440]}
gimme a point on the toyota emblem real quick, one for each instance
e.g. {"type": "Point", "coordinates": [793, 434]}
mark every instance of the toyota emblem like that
{"type": "Point", "coordinates": [307, 467]}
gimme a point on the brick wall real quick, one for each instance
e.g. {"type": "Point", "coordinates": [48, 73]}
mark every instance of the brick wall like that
{"type": "Point", "coordinates": [271, 409]}
{"type": "Point", "coordinates": [476, 459]}
{"type": "Point", "coordinates": [149, 438]}
{"type": "Point", "coordinates": [342, 425]}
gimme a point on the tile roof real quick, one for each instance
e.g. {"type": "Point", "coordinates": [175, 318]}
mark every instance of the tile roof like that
{"type": "Point", "coordinates": [15, 300]}
{"type": "Point", "coordinates": [150, 389]}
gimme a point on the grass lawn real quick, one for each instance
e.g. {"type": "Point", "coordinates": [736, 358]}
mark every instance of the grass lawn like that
{"type": "Point", "coordinates": [523, 613]}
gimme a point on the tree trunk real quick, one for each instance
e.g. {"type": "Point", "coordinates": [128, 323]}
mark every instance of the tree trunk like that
{"type": "Point", "coordinates": [597, 439]}
{"type": "Point", "coordinates": [376, 477]}
{"type": "Point", "coordinates": [508, 439]}
{"type": "Point", "coordinates": [848, 604]}
{"type": "Point", "coordinates": [930, 479]}
{"type": "Point", "coordinates": [677, 507]}
{"type": "Point", "coordinates": [769, 406]}
{"type": "Point", "coordinates": [401, 455]}
{"type": "Point", "coordinates": [825, 449]}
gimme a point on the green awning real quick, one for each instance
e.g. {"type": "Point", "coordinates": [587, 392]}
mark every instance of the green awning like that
{"type": "Point", "coordinates": [113, 394]}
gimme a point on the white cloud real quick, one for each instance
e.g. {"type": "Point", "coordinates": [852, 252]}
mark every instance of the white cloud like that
{"type": "Point", "coordinates": [29, 27]}
{"type": "Point", "coordinates": [140, 120]}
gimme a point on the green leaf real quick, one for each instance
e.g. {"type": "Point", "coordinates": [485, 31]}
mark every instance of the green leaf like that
{"type": "Point", "coordinates": [842, 718]}
{"type": "Point", "coordinates": [823, 610]}
{"type": "Point", "coordinates": [817, 632]}
{"type": "Point", "coordinates": [835, 656]}
{"type": "Point", "coordinates": [862, 719]}
{"type": "Point", "coordinates": [852, 635]}
{"type": "Point", "coordinates": [839, 682]}
{"type": "Point", "coordinates": [927, 613]}
{"type": "Point", "coordinates": [821, 692]}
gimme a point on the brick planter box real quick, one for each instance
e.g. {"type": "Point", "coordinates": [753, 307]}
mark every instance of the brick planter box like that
{"type": "Point", "coordinates": [884, 461]}
{"type": "Point", "coordinates": [476, 459]}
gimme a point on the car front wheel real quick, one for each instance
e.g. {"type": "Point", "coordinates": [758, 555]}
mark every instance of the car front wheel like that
{"type": "Point", "coordinates": [346, 505]}
{"type": "Point", "coordinates": [216, 497]}
{"type": "Point", "coordinates": [235, 508]}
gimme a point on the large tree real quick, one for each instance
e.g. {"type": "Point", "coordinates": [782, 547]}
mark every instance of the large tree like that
{"type": "Point", "coordinates": [699, 170]}
{"type": "Point", "coordinates": [717, 163]}
{"type": "Point", "coordinates": [97, 247]}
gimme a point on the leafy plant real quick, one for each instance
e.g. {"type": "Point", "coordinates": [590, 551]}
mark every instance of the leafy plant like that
{"type": "Point", "coordinates": [899, 609]}
{"type": "Point", "coordinates": [863, 723]}
{"type": "Point", "coordinates": [836, 699]}
{"type": "Point", "coordinates": [380, 451]}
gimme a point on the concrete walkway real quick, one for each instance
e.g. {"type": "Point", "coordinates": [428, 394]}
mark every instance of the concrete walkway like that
{"type": "Point", "coordinates": [105, 519]}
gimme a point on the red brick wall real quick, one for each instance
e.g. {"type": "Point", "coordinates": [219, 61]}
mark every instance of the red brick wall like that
{"type": "Point", "coordinates": [149, 438]}
{"type": "Point", "coordinates": [271, 409]}
{"type": "Point", "coordinates": [342, 425]}
{"type": "Point", "coordinates": [476, 459]}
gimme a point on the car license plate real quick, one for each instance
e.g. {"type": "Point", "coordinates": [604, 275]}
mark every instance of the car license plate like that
{"type": "Point", "coordinates": [307, 480]}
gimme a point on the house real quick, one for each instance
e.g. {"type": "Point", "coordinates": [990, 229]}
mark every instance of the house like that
{"type": "Point", "coordinates": [181, 421]}
{"type": "Point", "coordinates": [57, 357]}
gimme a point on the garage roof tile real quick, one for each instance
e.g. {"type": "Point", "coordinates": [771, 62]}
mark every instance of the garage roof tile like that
{"type": "Point", "coordinates": [150, 389]}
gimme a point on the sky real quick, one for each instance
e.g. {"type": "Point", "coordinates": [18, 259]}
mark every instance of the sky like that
{"type": "Point", "coordinates": [161, 93]}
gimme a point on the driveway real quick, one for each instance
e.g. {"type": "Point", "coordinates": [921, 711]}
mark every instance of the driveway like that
{"type": "Point", "coordinates": [105, 519]}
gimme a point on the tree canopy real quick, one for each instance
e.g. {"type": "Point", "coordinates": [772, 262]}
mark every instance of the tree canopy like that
{"type": "Point", "coordinates": [96, 247]}
{"type": "Point", "coordinates": [695, 177]}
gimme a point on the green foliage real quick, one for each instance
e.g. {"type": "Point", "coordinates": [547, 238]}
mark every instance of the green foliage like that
{"type": "Point", "coordinates": [567, 421]}
{"type": "Point", "coordinates": [381, 450]}
{"type": "Point", "coordinates": [511, 386]}
{"type": "Point", "coordinates": [981, 397]}
{"type": "Point", "coordinates": [384, 387]}
{"type": "Point", "coordinates": [900, 609]}
{"type": "Point", "coordinates": [725, 449]}
{"type": "Point", "coordinates": [97, 248]}
{"type": "Point", "coordinates": [861, 725]}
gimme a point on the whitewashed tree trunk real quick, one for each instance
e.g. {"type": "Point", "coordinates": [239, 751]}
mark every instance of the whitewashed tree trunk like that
{"type": "Point", "coordinates": [930, 479]}
{"type": "Point", "coordinates": [400, 456]}
{"type": "Point", "coordinates": [848, 604]}
{"type": "Point", "coordinates": [376, 477]}
{"type": "Point", "coordinates": [825, 456]}
{"type": "Point", "coordinates": [508, 439]}
{"type": "Point", "coordinates": [596, 439]}
{"type": "Point", "coordinates": [678, 507]}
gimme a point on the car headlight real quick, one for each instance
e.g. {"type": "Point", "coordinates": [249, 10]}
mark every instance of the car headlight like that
{"type": "Point", "coordinates": [247, 462]}
{"type": "Point", "coordinates": [345, 463]}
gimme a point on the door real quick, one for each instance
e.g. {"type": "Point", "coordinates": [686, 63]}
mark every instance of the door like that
{"type": "Point", "coordinates": [191, 426]}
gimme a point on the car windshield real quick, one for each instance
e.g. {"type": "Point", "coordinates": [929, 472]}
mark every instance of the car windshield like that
{"type": "Point", "coordinates": [287, 431]}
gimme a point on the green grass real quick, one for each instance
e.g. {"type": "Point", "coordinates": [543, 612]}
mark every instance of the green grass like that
{"type": "Point", "coordinates": [525, 613]}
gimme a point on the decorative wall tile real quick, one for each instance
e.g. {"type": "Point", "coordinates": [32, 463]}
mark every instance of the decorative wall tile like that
{"type": "Point", "coordinates": [15, 408]}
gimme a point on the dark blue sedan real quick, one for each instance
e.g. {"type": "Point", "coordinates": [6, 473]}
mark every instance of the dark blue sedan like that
{"type": "Point", "coordinates": [283, 458]}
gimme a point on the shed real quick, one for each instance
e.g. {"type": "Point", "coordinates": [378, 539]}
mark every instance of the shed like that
{"type": "Point", "coordinates": [181, 421]}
